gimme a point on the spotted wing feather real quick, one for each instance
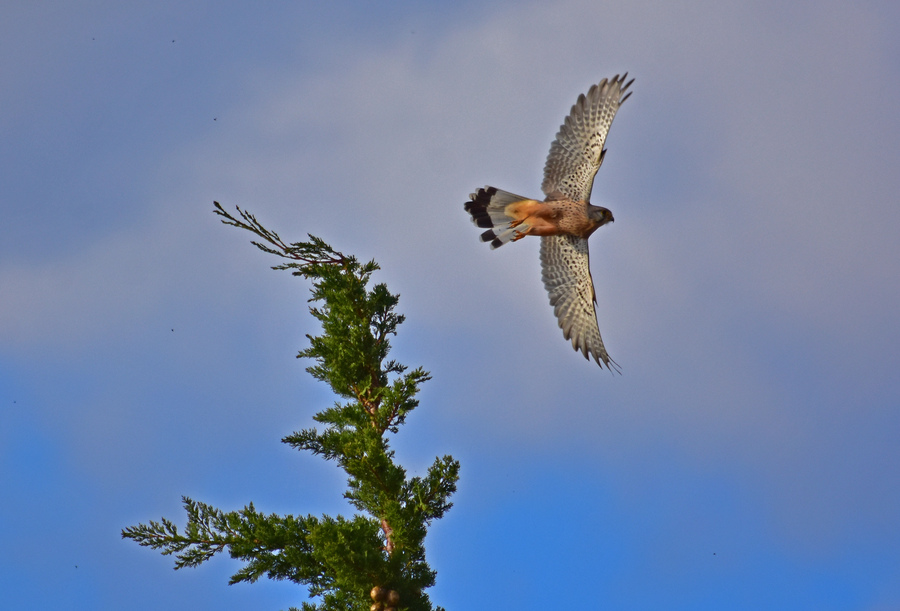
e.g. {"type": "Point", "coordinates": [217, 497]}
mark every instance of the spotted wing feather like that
{"type": "Point", "coordinates": [576, 154]}
{"type": "Point", "coordinates": [566, 273]}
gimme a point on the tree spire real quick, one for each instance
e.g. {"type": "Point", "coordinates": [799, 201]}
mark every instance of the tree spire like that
{"type": "Point", "coordinates": [378, 554]}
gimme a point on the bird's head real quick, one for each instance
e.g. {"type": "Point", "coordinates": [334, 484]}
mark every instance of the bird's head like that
{"type": "Point", "coordinates": [599, 215]}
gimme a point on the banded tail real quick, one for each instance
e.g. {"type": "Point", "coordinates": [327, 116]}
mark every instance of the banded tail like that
{"type": "Point", "coordinates": [488, 209]}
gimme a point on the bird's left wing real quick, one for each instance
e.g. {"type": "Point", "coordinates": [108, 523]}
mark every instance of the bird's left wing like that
{"type": "Point", "coordinates": [566, 273]}
{"type": "Point", "coordinates": [576, 154]}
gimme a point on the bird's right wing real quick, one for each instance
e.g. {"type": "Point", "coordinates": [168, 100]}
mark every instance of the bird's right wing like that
{"type": "Point", "coordinates": [566, 272]}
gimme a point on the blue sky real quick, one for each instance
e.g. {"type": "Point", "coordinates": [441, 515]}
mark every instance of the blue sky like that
{"type": "Point", "coordinates": [747, 458]}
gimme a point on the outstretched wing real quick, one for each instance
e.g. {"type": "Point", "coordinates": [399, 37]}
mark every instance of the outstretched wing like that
{"type": "Point", "coordinates": [566, 273]}
{"type": "Point", "coordinates": [576, 154]}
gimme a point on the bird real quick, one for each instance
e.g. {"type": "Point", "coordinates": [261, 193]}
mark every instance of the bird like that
{"type": "Point", "coordinates": [565, 219]}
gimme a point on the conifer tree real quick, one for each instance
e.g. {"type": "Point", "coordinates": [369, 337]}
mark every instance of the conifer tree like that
{"type": "Point", "coordinates": [375, 559]}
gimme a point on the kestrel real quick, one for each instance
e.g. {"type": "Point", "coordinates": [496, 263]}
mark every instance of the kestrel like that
{"type": "Point", "coordinates": [566, 218]}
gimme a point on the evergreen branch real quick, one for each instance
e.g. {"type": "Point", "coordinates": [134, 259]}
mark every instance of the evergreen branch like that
{"type": "Point", "coordinates": [431, 493]}
{"type": "Point", "coordinates": [207, 533]}
{"type": "Point", "coordinates": [398, 400]}
{"type": "Point", "coordinates": [314, 252]}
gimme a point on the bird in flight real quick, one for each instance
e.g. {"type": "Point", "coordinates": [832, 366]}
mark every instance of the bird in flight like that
{"type": "Point", "coordinates": [566, 218]}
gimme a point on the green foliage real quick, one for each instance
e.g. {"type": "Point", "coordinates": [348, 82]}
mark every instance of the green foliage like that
{"type": "Point", "coordinates": [340, 560]}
